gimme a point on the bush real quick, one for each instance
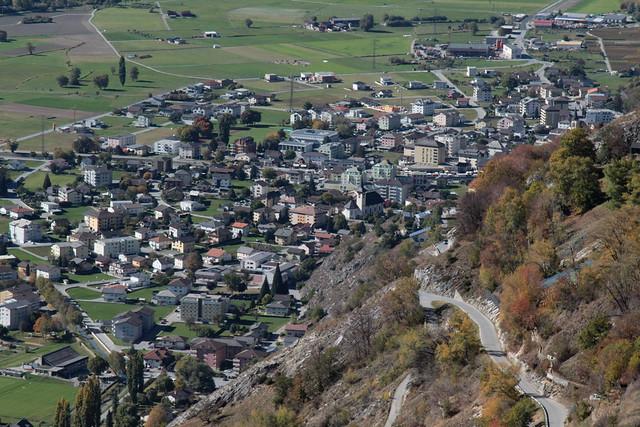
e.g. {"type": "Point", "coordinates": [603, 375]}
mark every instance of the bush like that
{"type": "Point", "coordinates": [595, 330]}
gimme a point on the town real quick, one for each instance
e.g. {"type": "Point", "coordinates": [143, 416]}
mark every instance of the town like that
{"type": "Point", "coordinates": [178, 232]}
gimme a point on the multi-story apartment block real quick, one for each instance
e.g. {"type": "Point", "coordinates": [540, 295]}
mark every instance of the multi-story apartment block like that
{"type": "Point", "coordinates": [203, 307]}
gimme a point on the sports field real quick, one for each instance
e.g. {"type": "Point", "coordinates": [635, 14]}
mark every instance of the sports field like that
{"type": "Point", "coordinates": [34, 398]}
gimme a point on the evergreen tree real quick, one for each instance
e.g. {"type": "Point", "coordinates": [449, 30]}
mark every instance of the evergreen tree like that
{"type": "Point", "coordinates": [122, 71]}
{"type": "Point", "coordinates": [47, 182]}
{"type": "Point", "coordinates": [264, 290]}
{"type": "Point", "coordinates": [108, 420]}
{"type": "Point", "coordinates": [63, 414]}
{"type": "Point", "coordinates": [278, 286]}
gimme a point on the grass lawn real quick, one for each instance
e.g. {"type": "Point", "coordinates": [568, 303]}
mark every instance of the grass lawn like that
{"type": "Point", "coordinates": [182, 330]}
{"type": "Point", "coordinates": [273, 322]}
{"type": "Point", "coordinates": [34, 398]}
{"type": "Point", "coordinates": [44, 251]}
{"type": "Point", "coordinates": [146, 293]}
{"type": "Point", "coordinates": [83, 293]}
{"type": "Point", "coordinates": [34, 181]}
{"type": "Point", "coordinates": [596, 6]}
{"type": "Point", "coordinates": [75, 214]}
{"type": "Point", "coordinates": [83, 278]}
{"type": "Point", "coordinates": [26, 256]}
{"type": "Point", "coordinates": [105, 310]}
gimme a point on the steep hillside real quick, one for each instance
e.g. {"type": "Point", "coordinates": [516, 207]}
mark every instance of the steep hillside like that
{"type": "Point", "coordinates": [373, 337]}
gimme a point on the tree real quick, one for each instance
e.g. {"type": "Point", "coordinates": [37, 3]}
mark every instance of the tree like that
{"type": "Point", "coordinates": [87, 411]}
{"type": "Point", "coordinates": [576, 182]}
{"type": "Point", "coordinates": [188, 133]}
{"type": "Point", "coordinates": [158, 417]}
{"type": "Point", "coordinates": [84, 145]}
{"type": "Point", "coordinates": [101, 81]}
{"type": "Point", "coordinates": [196, 375]}
{"type": "Point", "coordinates": [204, 126]}
{"type": "Point", "coordinates": [596, 329]}
{"type": "Point", "coordinates": [193, 261]}
{"type": "Point", "coordinates": [135, 374]}
{"type": "Point", "coordinates": [366, 23]}
{"type": "Point", "coordinates": [463, 342]}
{"type": "Point", "coordinates": [278, 287]}
{"type": "Point", "coordinates": [134, 73]}
{"type": "Point", "coordinates": [264, 289]}
{"type": "Point", "coordinates": [97, 365]}
{"type": "Point", "coordinates": [122, 71]}
{"type": "Point", "coordinates": [74, 76]}
{"type": "Point", "coordinates": [13, 145]}
{"type": "Point", "coordinates": [43, 325]}
{"type": "Point", "coordinates": [521, 414]}
{"type": "Point", "coordinates": [127, 415]}
{"type": "Point", "coordinates": [47, 182]}
{"type": "Point", "coordinates": [225, 122]}
{"type": "Point", "coordinates": [248, 22]}
{"type": "Point", "coordinates": [235, 282]}
{"type": "Point", "coordinates": [62, 80]}
{"type": "Point", "coordinates": [30, 48]}
{"type": "Point", "coordinates": [618, 176]}
{"type": "Point", "coordinates": [63, 414]}
{"type": "Point", "coordinates": [249, 117]}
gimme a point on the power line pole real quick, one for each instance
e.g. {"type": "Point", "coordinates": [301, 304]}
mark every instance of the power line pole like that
{"type": "Point", "coordinates": [291, 93]}
{"type": "Point", "coordinates": [42, 132]}
{"type": "Point", "coordinates": [374, 53]}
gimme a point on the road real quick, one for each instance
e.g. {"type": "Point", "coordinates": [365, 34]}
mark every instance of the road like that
{"type": "Point", "coordinates": [398, 399]}
{"type": "Point", "coordinates": [555, 412]}
{"type": "Point", "coordinates": [481, 112]}
{"type": "Point", "coordinates": [604, 52]}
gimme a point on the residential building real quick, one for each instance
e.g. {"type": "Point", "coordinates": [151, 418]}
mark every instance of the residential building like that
{"type": "Point", "coordinates": [389, 122]}
{"type": "Point", "coordinates": [180, 286]}
{"type": "Point", "coordinates": [599, 116]}
{"type": "Point", "coordinates": [69, 250]}
{"type": "Point", "coordinates": [132, 325]}
{"type": "Point", "coordinates": [98, 176]}
{"type": "Point", "coordinates": [425, 107]}
{"type": "Point", "coordinates": [428, 152]}
{"type": "Point", "coordinates": [115, 246]}
{"type": "Point", "coordinates": [203, 308]}
{"type": "Point", "coordinates": [114, 293]}
{"type": "Point", "coordinates": [14, 312]}
{"type": "Point", "coordinates": [447, 119]}
{"type": "Point", "coordinates": [23, 231]}
{"type": "Point", "coordinates": [99, 220]}
{"type": "Point", "coordinates": [307, 214]}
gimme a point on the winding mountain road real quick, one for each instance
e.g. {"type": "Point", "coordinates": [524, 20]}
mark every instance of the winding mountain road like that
{"type": "Point", "coordinates": [555, 412]}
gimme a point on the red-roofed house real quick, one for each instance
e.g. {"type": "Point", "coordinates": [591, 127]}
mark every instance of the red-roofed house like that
{"type": "Point", "coordinates": [158, 358]}
{"type": "Point", "coordinates": [216, 256]}
{"type": "Point", "coordinates": [239, 229]}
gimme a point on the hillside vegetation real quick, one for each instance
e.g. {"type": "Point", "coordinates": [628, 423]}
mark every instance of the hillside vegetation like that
{"type": "Point", "coordinates": [553, 233]}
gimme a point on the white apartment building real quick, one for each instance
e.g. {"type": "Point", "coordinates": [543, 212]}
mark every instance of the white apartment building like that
{"type": "Point", "coordinates": [426, 107]}
{"type": "Point", "coordinates": [13, 312]}
{"type": "Point", "coordinates": [166, 146]}
{"type": "Point", "coordinates": [98, 176]}
{"type": "Point", "coordinates": [115, 246]}
{"type": "Point", "coordinates": [22, 231]}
